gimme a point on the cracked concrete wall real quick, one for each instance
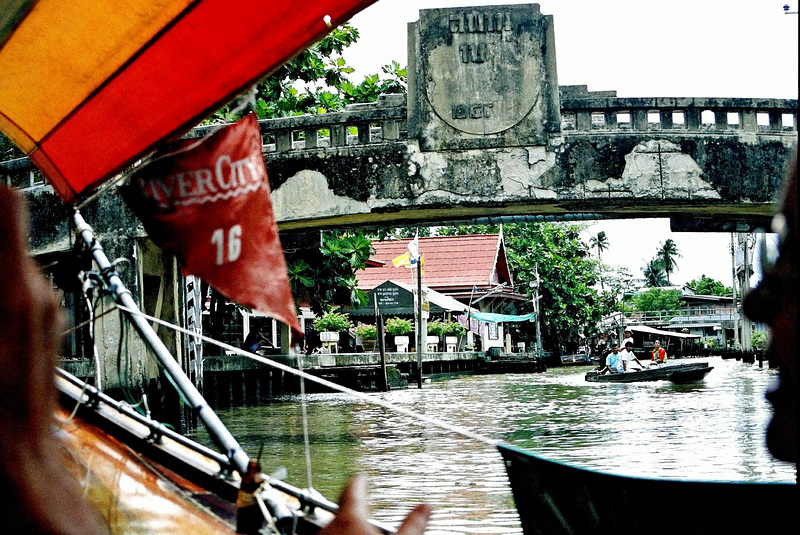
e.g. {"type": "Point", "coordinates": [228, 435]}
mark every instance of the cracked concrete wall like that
{"type": "Point", "coordinates": [618, 175]}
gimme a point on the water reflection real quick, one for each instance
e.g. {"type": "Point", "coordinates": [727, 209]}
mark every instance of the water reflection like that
{"type": "Point", "coordinates": [712, 430]}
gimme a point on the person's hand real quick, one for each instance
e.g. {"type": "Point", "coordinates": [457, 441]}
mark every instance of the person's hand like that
{"type": "Point", "coordinates": [352, 518]}
{"type": "Point", "coordinates": [39, 495]}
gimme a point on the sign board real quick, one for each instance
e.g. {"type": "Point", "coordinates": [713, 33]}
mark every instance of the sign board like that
{"type": "Point", "coordinates": [482, 77]}
{"type": "Point", "coordinates": [393, 300]}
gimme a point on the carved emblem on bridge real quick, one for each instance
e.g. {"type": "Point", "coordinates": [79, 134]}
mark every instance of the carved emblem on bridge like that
{"type": "Point", "coordinates": [482, 77]}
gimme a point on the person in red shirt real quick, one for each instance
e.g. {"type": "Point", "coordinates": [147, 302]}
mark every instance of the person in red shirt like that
{"type": "Point", "coordinates": [659, 355]}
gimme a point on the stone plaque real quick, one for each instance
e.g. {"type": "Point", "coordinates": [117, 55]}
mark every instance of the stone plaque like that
{"type": "Point", "coordinates": [482, 77]}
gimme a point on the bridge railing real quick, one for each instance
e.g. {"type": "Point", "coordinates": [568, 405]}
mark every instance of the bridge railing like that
{"type": "Point", "coordinates": [358, 124]}
{"type": "Point", "coordinates": [385, 121]}
{"type": "Point", "coordinates": [692, 115]}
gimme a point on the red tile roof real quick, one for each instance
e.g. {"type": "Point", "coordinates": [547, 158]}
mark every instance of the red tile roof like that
{"type": "Point", "coordinates": [452, 263]}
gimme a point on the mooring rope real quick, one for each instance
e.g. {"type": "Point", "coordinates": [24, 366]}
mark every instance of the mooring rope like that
{"type": "Point", "coordinates": [323, 382]}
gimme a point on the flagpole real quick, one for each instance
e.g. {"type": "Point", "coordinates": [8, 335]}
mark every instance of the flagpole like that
{"type": "Point", "coordinates": [469, 312]}
{"type": "Point", "coordinates": [219, 433]}
{"type": "Point", "coordinates": [383, 386]}
{"type": "Point", "coordinates": [419, 321]}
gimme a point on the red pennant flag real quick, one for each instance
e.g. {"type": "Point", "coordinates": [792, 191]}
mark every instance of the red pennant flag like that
{"type": "Point", "coordinates": [208, 201]}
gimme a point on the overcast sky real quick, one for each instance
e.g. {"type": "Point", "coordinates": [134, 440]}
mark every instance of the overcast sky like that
{"type": "Point", "coordinates": [680, 48]}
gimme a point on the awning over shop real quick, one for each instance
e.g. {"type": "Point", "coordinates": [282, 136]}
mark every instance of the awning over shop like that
{"type": "Point", "coordinates": [651, 330]}
{"type": "Point", "coordinates": [490, 317]}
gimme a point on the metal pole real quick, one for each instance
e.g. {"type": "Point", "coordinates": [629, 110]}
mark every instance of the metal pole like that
{"type": "Point", "coordinates": [384, 385]}
{"type": "Point", "coordinates": [735, 298]}
{"type": "Point", "coordinates": [538, 316]}
{"type": "Point", "coordinates": [747, 327]}
{"type": "Point", "coordinates": [420, 336]}
{"type": "Point", "coordinates": [220, 434]}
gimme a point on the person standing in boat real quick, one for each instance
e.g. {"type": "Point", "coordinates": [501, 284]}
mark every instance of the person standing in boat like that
{"type": "Point", "coordinates": [659, 355]}
{"type": "Point", "coordinates": [628, 338]}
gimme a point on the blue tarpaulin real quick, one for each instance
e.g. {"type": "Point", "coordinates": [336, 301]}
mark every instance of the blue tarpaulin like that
{"type": "Point", "coordinates": [501, 318]}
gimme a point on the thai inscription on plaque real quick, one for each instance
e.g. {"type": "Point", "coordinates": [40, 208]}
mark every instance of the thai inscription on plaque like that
{"type": "Point", "coordinates": [483, 71]}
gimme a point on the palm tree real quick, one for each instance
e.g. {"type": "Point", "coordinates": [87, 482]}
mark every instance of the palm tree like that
{"type": "Point", "coordinates": [599, 242]}
{"type": "Point", "coordinates": [654, 273]}
{"type": "Point", "coordinates": [667, 254]}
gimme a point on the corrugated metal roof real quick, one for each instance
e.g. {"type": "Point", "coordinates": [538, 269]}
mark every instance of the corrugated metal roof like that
{"type": "Point", "coordinates": [651, 330]}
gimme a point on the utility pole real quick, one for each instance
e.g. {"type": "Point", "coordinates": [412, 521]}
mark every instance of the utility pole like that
{"type": "Point", "coordinates": [538, 320]}
{"type": "Point", "coordinates": [736, 307]}
{"type": "Point", "coordinates": [747, 326]}
{"type": "Point", "coordinates": [420, 337]}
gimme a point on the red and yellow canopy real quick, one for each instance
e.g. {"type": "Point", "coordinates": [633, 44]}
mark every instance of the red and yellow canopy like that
{"type": "Point", "coordinates": [89, 86]}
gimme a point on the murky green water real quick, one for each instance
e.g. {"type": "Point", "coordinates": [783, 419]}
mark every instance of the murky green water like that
{"type": "Point", "coordinates": [712, 430]}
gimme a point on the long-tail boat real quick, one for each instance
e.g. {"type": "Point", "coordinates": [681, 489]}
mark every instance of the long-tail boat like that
{"type": "Point", "coordinates": [88, 88]}
{"type": "Point", "coordinates": [678, 373]}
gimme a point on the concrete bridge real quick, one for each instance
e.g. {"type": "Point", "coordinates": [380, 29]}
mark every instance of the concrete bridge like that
{"type": "Point", "coordinates": [714, 163]}
{"type": "Point", "coordinates": [486, 131]}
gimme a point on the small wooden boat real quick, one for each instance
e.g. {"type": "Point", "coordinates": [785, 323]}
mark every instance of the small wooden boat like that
{"type": "Point", "coordinates": [683, 373]}
{"type": "Point", "coordinates": [690, 376]}
{"type": "Point", "coordinates": [554, 498]}
{"type": "Point", "coordinates": [172, 484]}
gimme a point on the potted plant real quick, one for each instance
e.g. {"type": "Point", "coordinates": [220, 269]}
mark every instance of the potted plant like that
{"type": "Point", "coordinates": [435, 334]}
{"type": "Point", "coordinates": [452, 334]}
{"type": "Point", "coordinates": [399, 328]}
{"type": "Point", "coordinates": [330, 325]}
{"type": "Point", "coordinates": [368, 334]}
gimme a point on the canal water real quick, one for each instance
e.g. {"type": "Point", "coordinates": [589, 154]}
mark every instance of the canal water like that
{"type": "Point", "coordinates": [712, 430]}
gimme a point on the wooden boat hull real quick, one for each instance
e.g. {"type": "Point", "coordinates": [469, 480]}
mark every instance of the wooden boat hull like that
{"type": "Point", "coordinates": [528, 365]}
{"type": "Point", "coordinates": [686, 372]}
{"type": "Point", "coordinates": [553, 498]}
{"type": "Point", "coordinates": [143, 482]}
{"type": "Point", "coordinates": [690, 376]}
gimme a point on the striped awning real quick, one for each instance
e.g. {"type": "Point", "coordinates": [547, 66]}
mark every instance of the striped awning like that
{"type": "Point", "coordinates": [89, 86]}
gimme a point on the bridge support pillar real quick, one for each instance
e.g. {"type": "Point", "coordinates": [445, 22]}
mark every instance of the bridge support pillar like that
{"type": "Point", "coordinates": [639, 118]}
{"type": "Point", "coordinates": [749, 122]}
{"type": "Point", "coordinates": [694, 118]}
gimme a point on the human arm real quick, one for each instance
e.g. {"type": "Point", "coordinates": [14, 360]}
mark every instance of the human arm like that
{"type": "Point", "coordinates": [39, 496]}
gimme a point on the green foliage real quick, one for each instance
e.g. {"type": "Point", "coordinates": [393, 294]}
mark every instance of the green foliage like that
{"type": "Point", "coordinates": [656, 299]}
{"type": "Point", "coordinates": [435, 328]}
{"type": "Point", "coordinates": [332, 321]}
{"type": "Point", "coordinates": [758, 340]}
{"type": "Point", "coordinates": [316, 81]}
{"type": "Point", "coordinates": [654, 273]}
{"type": "Point", "coordinates": [709, 342]}
{"type": "Point", "coordinates": [667, 254]}
{"type": "Point", "coordinates": [398, 326]}
{"type": "Point", "coordinates": [367, 332]}
{"type": "Point", "coordinates": [454, 329]}
{"type": "Point", "coordinates": [708, 286]}
{"type": "Point", "coordinates": [325, 276]}
{"type": "Point", "coordinates": [599, 242]}
{"type": "Point", "coordinates": [569, 304]}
